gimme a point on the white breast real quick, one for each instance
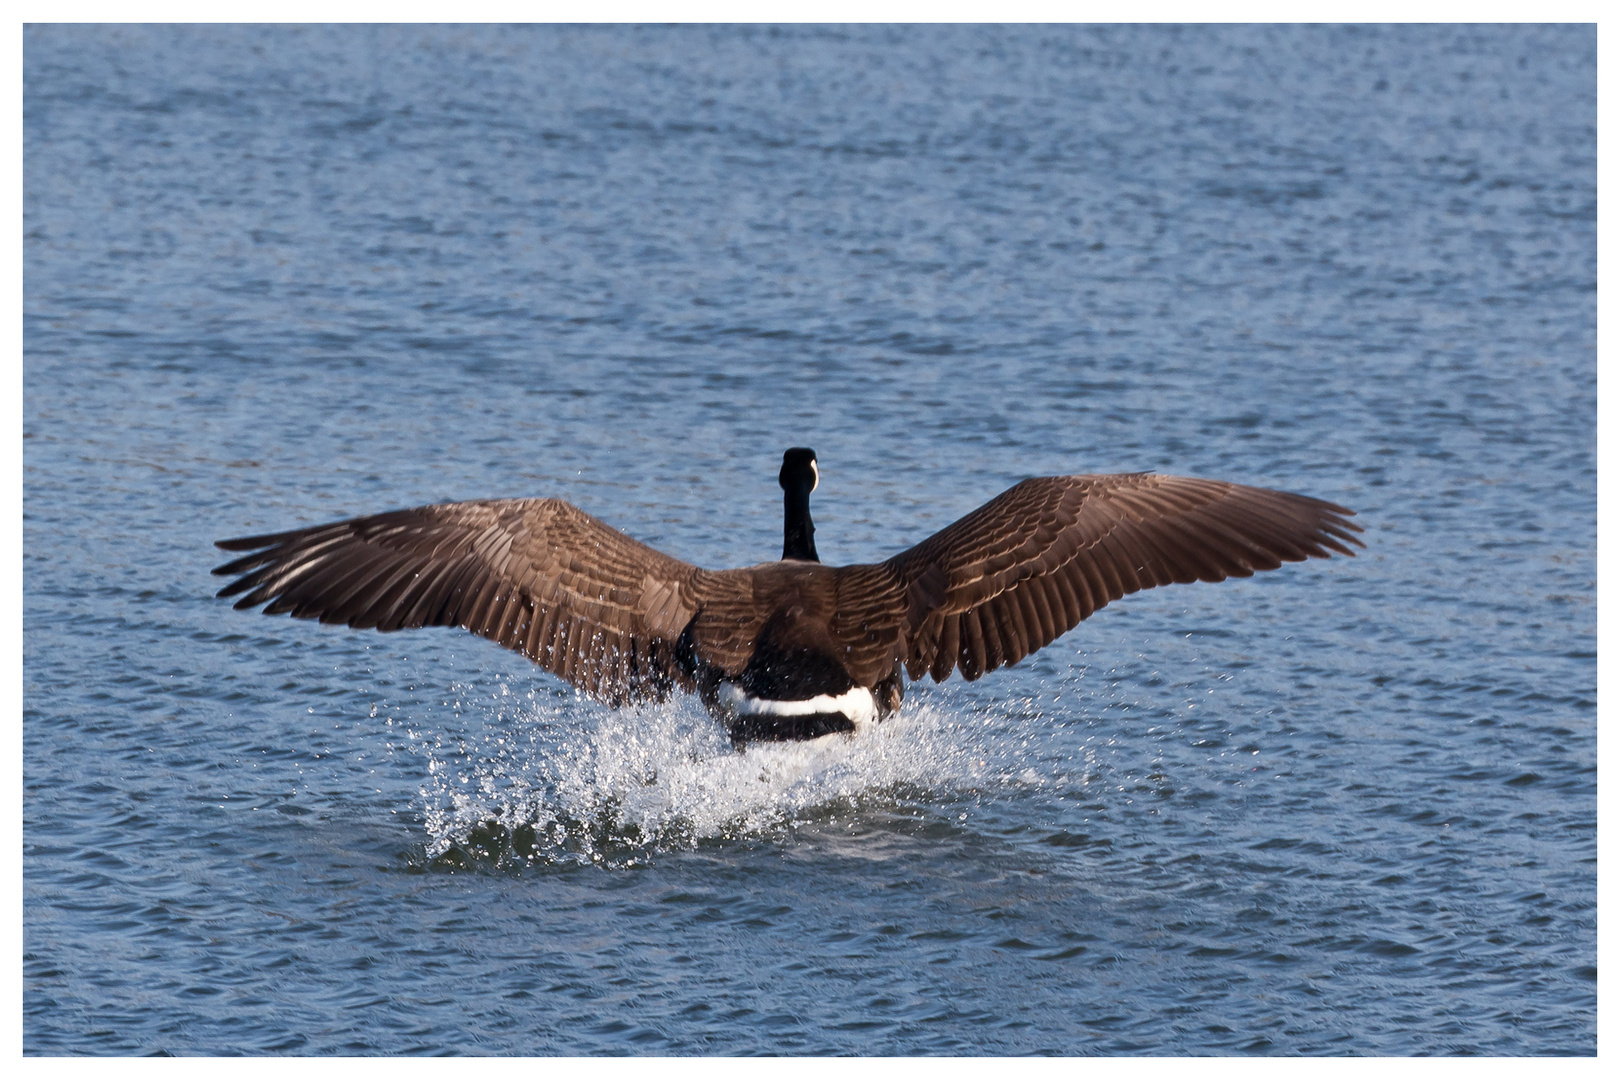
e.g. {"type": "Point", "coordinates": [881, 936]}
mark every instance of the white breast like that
{"type": "Point", "coordinates": [857, 704]}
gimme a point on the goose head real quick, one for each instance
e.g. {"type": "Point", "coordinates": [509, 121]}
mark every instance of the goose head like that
{"type": "Point", "coordinates": [799, 477]}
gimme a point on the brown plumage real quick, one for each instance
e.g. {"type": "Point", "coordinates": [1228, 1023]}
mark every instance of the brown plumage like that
{"type": "Point", "coordinates": [625, 623]}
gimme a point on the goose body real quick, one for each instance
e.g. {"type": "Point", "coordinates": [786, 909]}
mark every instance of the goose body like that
{"type": "Point", "coordinates": [790, 649]}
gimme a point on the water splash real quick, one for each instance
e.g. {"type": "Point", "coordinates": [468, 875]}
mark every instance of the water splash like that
{"type": "Point", "coordinates": [561, 780]}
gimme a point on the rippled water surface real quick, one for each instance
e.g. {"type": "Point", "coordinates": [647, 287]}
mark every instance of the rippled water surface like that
{"type": "Point", "coordinates": [278, 276]}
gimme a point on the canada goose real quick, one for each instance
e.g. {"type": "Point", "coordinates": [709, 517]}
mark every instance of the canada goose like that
{"type": "Point", "coordinates": [789, 649]}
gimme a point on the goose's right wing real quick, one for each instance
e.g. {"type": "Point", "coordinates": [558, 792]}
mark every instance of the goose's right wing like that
{"type": "Point", "coordinates": [539, 576]}
{"type": "Point", "coordinates": [1031, 563]}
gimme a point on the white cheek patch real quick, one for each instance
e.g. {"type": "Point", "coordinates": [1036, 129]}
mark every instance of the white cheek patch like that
{"type": "Point", "coordinates": [857, 704]}
{"type": "Point", "coordinates": [815, 476]}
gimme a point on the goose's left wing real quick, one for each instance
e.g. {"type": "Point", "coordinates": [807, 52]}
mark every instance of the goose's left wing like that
{"type": "Point", "coordinates": [539, 576]}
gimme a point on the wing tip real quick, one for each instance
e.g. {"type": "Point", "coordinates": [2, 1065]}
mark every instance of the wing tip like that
{"type": "Point", "coordinates": [250, 543]}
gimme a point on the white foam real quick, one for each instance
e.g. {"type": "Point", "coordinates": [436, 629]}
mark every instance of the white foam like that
{"type": "Point", "coordinates": [612, 787]}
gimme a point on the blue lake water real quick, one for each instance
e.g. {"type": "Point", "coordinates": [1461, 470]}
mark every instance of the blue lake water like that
{"type": "Point", "coordinates": [277, 276]}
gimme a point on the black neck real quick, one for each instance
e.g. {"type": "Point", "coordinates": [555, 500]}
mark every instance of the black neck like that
{"type": "Point", "coordinates": [798, 531]}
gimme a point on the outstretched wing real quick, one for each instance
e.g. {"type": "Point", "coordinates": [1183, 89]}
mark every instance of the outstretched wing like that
{"type": "Point", "coordinates": [1031, 563]}
{"type": "Point", "coordinates": [539, 576]}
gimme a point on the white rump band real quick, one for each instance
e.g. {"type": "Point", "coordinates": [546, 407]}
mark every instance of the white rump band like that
{"type": "Point", "coordinates": [857, 704]}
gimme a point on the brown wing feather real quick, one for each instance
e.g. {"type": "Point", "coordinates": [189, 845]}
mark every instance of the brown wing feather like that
{"type": "Point", "coordinates": [539, 576]}
{"type": "Point", "coordinates": [1030, 564]}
